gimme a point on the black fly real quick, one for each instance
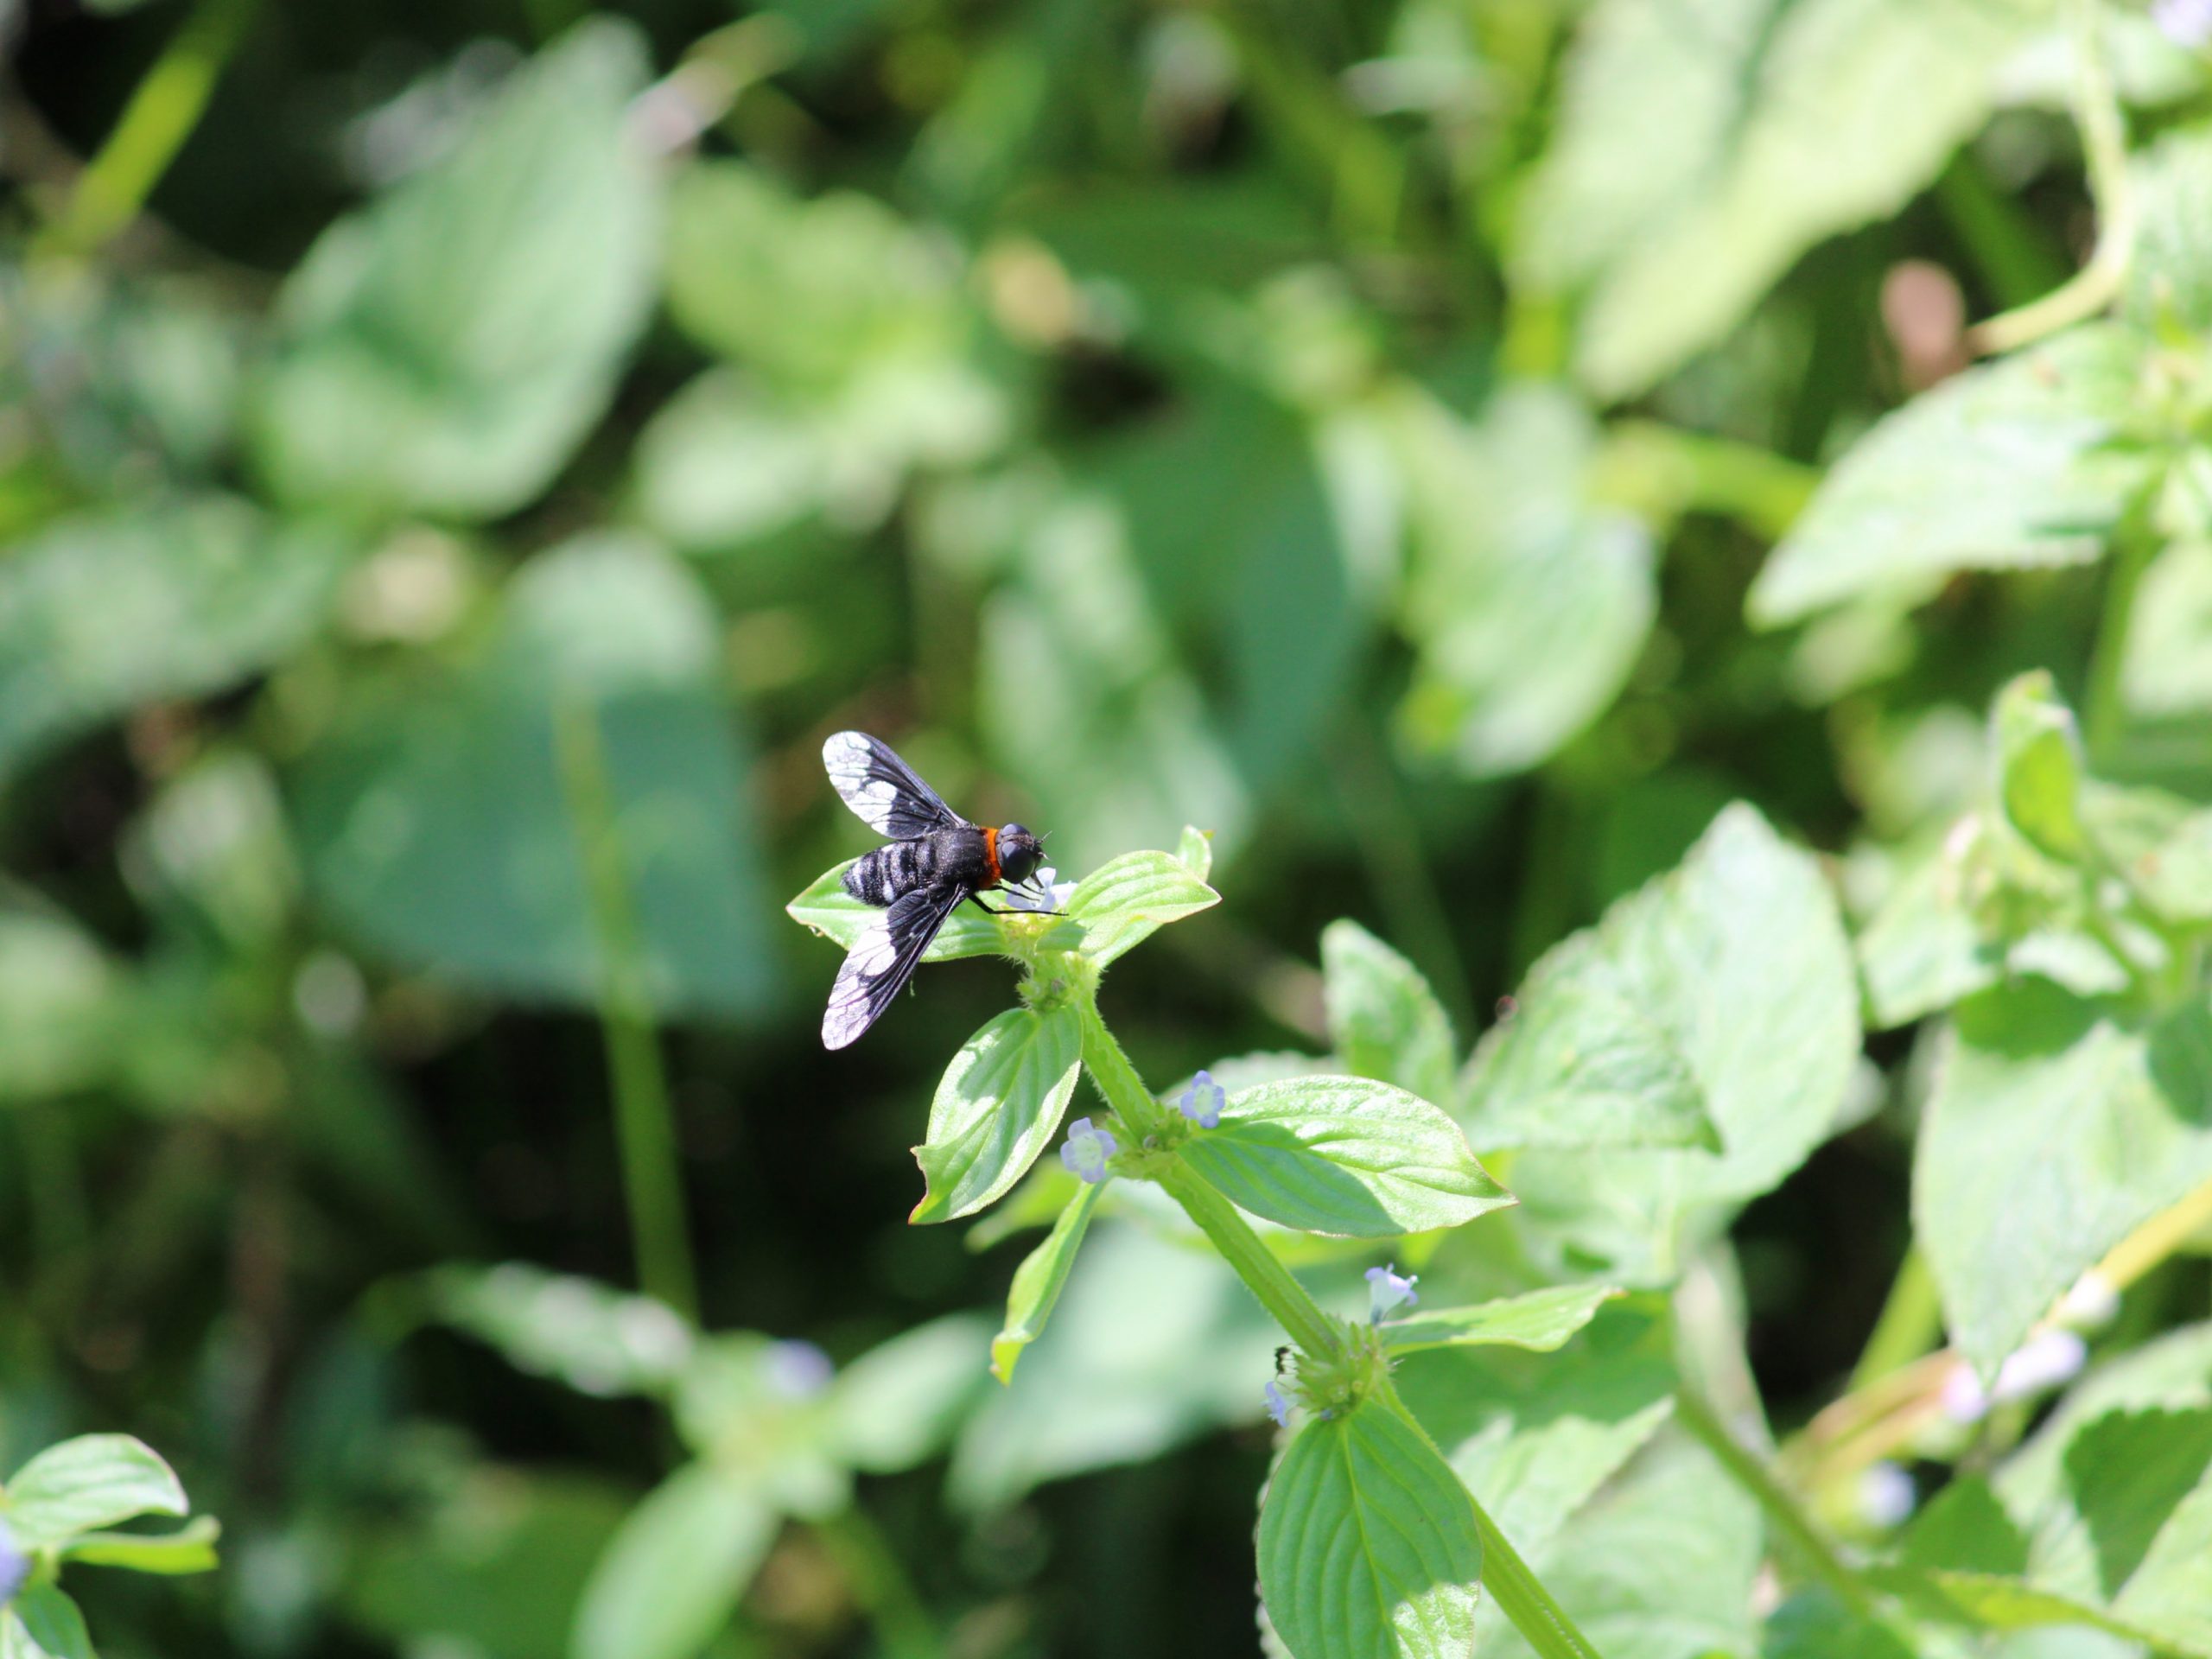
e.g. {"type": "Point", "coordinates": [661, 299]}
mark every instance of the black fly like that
{"type": "Point", "coordinates": [936, 859]}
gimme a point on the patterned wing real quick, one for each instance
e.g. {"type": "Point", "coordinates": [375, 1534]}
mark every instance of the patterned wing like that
{"type": "Point", "coordinates": [881, 960]}
{"type": "Point", "coordinates": [883, 789]}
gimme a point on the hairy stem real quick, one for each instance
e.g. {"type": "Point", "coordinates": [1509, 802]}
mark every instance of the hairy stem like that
{"type": "Point", "coordinates": [1279, 1293]}
{"type": "Point", "coordinates": [643, 1120]}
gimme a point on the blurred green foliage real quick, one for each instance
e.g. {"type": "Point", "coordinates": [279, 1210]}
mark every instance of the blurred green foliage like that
{"type": "Point", "coordinates": [1510, 470]}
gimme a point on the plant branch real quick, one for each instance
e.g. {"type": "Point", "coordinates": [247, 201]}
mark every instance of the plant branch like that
{"type": "Point", "coordinates": [2104, 141]}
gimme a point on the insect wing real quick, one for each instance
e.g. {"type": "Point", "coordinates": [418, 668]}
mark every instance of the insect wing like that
{"type": "Point", "coordinates": [881, 960]}
{"type": "Point", "coordinates": [883, 790]}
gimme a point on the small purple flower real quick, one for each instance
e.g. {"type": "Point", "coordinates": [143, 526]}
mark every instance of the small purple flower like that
{"type": "Point", "coordinates": [2187, 23]}
{"type": "Point", "coordinates": [1278, 1404]}
{"type": "Point", "coordinates": [1202, 1101]}
{"type": "Point", "coordinates": [1388, 1289]}
{"type": "Point", "coordinates": [797, 1370]}
{"type": "Point", "coordinates": [15, 1566]}
{"type": "Point", "coordinates": [1086, 1150]}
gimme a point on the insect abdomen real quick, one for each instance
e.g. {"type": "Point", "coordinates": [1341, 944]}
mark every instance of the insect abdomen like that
{"type": "Point", "coordinates": [883, 875]}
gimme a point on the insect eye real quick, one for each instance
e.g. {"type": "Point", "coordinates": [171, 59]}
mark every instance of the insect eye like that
{"type": "Point", "coordinates": [1018, 854]}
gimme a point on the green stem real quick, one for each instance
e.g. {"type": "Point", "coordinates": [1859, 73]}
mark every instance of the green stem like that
{"type": "Point", "coordinates": [1912, 1322]}
{"type": "Point", "coordinates": [1806, 1544]}
{"type": "Point", "coordinates": [1521, 1596]}
{"type": "Point", "coordinates": [1115, 1079]}
{"type": "Point", "coordinates": [879, 1583]}
{"type": "Point", "coordinates": [1280, 1293]}
{"type": "Point", "coordinates": [2104, 710]}
{"type": "Point", "coordinates": [1310, 1325]}
{"type": "Point", "coordinates": [644, 1122]}
{"type": "Point", "coordinates": [2104, 141]}
{"type": "Point", "coordinates": [160, 117]}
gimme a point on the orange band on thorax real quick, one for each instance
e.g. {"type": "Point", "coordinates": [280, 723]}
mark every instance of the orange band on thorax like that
{"type": "Point", "coordinates": [991, 855]}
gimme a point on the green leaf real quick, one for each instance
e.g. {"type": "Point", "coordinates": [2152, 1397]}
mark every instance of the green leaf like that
{"type": "Point", "coordinates": [1739, 958]}
{"type": "Point", "coordinates": [190, 1548]}
{"type": "Point", "coordinates": [1343, 1155]}
{"type": "Point", "coordinates": [1579, 1065]}
{"type": "Point", "coordinates": [1384, 1020]}
{"type": "Point", "coordinates": [449, 348]}
{"type": "Point", "coordinates": [896, 1404]}
{"type": "Point", "coordinates": [2169, 1595]}
{"type": "Point", "coordinates": [998, 1105]}
{"type": "Point", "coordinates": [2055, 1129]}
{"type": "Point", "coordinates": [108, 609]}
{"type": "Point", "coordinates": [2166, 663]}
{"type": "Point", "coordinates": [1526, 605]}
{"type": "Point", "coordinates": [2173, 1371]}
{"type": "Point", "coordinates": [1368, 1547]}
{"type": "Point", "coordinates": [834, 913]}
{"type": "Point", "coordinates": [1039, 1281]}
{"type": "Point", "coordinates": [1541, 1320]}
{"type": "Point", "coordinates": [92, 1481]}
{"type": "Point", "coordinates": [1535, 1436]}
{"type": "Point", "coordinates": [1966, 1529]}
{"type": "Point", "coordinates": [811, 295]}
{"type": "Point", "coordinates": [1924, 950]}
{"type": "Point", "coordinates": [676, 1569]}
{"type": "Point", "coordinates": [1815, 1625]}
{"type": "Point", "coordinates": [1196, 850]}
{"type": "Point", "coordinates": [1758, 129]}
{"type": "Point", "coordinates": [597, 1339]}
{"type": "Point", "coordinates": [440, 823]}
{"type": "Point", "coordinates": [1127, 900]}
{"type": "Point", "coordinates": [2128, 1472]}
{"type": "Point", "coordinates": [2039, 765]}
{"type": "Point", "coordinates": [2003, 467]}
{"type": "Point", "coordinates": [2161, 844]}
{"type": "Point", "coordinates": [2170, 267]}
{"type": "Point", "coordinates": [720, 465]}
{"type": "Point", "coordinates": [41, 1623]}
